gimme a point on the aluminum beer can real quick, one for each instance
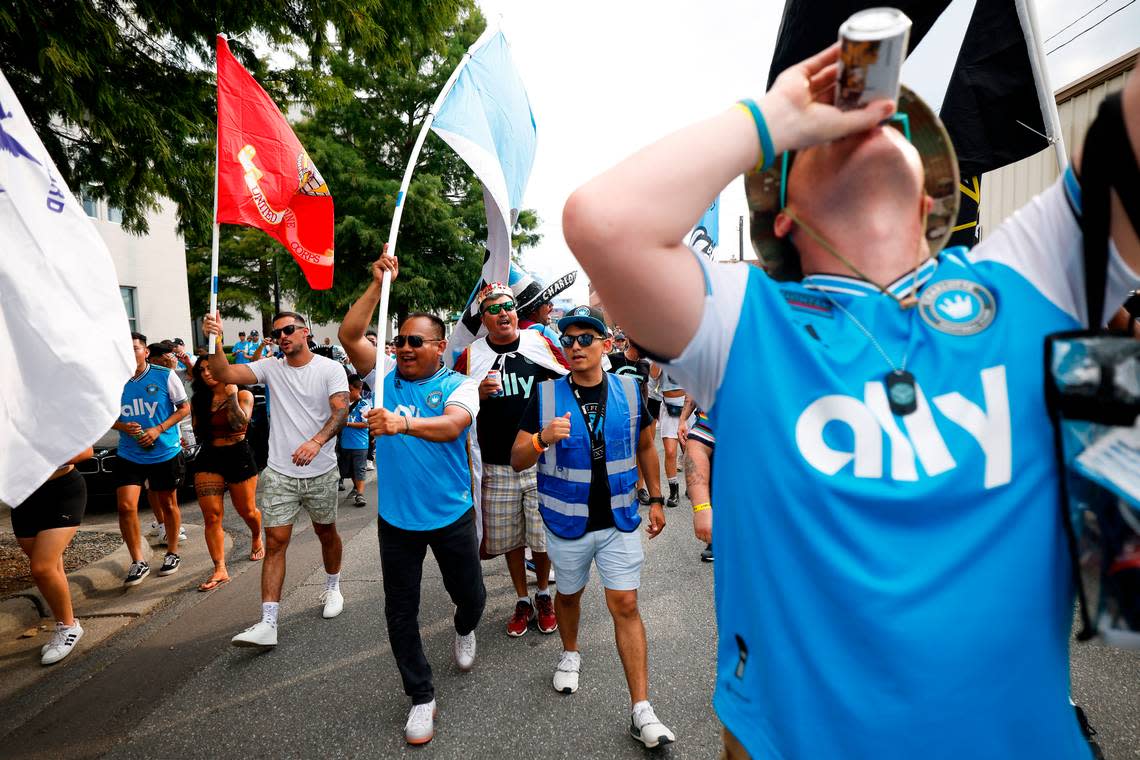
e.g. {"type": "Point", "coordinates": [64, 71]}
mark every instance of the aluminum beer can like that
{"type": "Point", "coordinates": [872, 46]}
{"type": "Point", "coordinates": [496, 376]}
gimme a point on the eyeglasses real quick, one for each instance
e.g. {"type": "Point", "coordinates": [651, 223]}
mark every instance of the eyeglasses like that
{"type": "Point", "coordinates": [899, 120]}
{"type": "Point", "coordinates": [583, 339]}
{"type": "Point", "coordinates": [415, 341]}
{"type": "Point", "coordinates": [495, 308]}
{"type": "Point", "coordinates": [286, 330]}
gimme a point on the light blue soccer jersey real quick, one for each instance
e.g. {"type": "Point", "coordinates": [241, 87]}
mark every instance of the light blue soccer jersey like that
{"type": "Point", "coordinates": [354, 439]}
{"type": "Point", "coordinates": [148, 400]}
{"type": "Point", "coordinates": [895, 586]}
{"type": "Point", "coordinates": [424, 485]}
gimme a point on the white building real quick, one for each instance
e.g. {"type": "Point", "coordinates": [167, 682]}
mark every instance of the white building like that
{"type": "Point", "coordinates": [151, 269]}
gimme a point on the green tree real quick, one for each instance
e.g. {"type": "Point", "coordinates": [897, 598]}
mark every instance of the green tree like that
{"type": "Point", "coordinates": [121, 91]}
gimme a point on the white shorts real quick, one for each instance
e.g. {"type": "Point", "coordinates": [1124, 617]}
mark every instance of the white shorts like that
{"type": "Point", "coordinates": [618, 555]}
{"type": "Point", "coordinates": [670, 424]}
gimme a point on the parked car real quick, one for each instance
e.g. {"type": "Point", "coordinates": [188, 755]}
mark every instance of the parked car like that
{"type": "Point", "coordinates": [99, 471]}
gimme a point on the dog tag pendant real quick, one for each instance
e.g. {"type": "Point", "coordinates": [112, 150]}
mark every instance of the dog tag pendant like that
{"type": "Point", "coordinates": [901, 393]}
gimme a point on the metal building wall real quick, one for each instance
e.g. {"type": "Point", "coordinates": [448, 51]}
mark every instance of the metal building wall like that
{"type": "Point", "coordinates": [1009, 188]}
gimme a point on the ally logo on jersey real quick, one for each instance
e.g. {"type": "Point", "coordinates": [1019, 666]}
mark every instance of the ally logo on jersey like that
{"type": "Point", "coordinates": [914, 440]}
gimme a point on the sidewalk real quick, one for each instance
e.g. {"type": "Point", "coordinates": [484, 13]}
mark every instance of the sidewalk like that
{"type": "Point", "coordinates": [102, 603]}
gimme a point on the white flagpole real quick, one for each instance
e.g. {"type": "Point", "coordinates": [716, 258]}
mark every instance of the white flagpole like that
{"type": "Point", "coordinates": [1027, 14]}
{"type": "Point", "coordinates": [214, 240]}
{"type": "Point", "coordinates": [401, 196]}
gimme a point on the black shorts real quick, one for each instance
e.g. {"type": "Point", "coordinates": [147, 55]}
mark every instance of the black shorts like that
{"type": "Point", "coordinates": [653, 406]}
{"type": "Point", "coordinates": [58, 503]}
{"type": "Point", "coordinates": [158, 476]}
{"type": "Point", "coordinates": [234, 463]}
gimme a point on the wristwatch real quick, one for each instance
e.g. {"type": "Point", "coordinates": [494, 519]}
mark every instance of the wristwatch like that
{"type": "Point", "coordinates": [657, 500]}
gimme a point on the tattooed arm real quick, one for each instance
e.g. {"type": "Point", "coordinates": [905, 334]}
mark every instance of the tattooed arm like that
{"type": "Point", "coordinates": [698, 465]}
{"type": "Point", "coordinates": [307, 451]}
{"type": "Point", "coordinates": [239, 410]}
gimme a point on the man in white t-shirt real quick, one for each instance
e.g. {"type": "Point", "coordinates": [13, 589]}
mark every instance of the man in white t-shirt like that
{"type": "Point", "coordinates": [310, 406]}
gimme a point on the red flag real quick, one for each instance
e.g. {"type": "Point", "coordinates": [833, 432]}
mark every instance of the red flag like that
{"type": "Point", "coordinates": [265, 177]}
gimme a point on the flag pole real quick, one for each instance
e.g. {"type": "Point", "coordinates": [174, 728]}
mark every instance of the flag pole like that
{"type": "Point", "coordinates": [216, 232]}
{"type": "Point", "coordinates": [401, 196]}
{"type": "Point", "coordinates": [1047, 102]}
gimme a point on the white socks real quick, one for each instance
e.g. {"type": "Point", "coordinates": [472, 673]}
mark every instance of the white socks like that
{"type": "Point", "coordinates": [524, 599]}
{"type": "Point", "coordinates": [269, 612]}
{"type": "Point", "coordinates": [332, 582]}
{"type": "Point", "coordinates": [640, 705]}
{"type": "Point", "coordinates": [542, 592]}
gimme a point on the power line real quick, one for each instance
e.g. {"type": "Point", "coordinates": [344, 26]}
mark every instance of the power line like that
{"type": "Point", "coordinates": [1074, 21]}
{"type": "Point", "coordinates": [1090, 28]}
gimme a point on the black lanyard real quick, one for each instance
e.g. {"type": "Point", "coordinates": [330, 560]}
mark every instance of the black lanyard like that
{"type": "Point", "coordinates": [597, 430]}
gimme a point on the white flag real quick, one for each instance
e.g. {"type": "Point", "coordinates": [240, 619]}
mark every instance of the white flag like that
{"type": "Point", "coordinates": [65, 346]}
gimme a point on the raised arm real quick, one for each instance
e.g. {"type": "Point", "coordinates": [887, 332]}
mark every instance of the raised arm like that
{"type": "Point", "coordinates": [625, 227]}
{"type": "Point", "coordinates": [361, 352]}
{"type": "Point", "coordinates": [220, 367]}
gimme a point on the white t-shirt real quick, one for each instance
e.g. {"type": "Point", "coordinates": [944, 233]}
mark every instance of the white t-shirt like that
{"type": "Point", "coordinates": [300, 399]}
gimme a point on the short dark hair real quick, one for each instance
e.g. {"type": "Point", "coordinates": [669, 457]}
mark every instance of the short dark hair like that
{"type": "Point", "coordinates": [162, 348]}
{"type": "Point", "coordinates": [355, 381]}
{"type": "Point", "coordinates": [295, 316]}
{"type": "Point", "coordinates": [440, 327]}
{"type": "Point", "coordinates": [368, 332]}
{"type": "Point", "coordinates": [139, 337]}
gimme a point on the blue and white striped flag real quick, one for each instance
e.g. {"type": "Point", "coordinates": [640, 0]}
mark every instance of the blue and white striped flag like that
{"type": "Point", "coordinates": [705, 237]}
{"type": "Point", "coordinates": [486, 119]}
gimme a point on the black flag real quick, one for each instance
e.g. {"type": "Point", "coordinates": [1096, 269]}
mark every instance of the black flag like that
{"type": "Point", "coordinates": [990, 109]}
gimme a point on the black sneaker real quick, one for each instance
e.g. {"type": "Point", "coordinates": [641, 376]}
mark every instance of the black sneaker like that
{"type": "Point", "coordinates": [170, 564]}
{"type": "Point", "coordinates": [707, 554]}
{"type": "Point", "coordinates": [358, 500]}
{"type": "Point", "coordinates": [674, 495]}
{"type": "Point", "coordinates": [340, 486]}
{"type": "Point", "coordinates": [643, 495]}
{"type": "Point", "coordinates": [137, 572]}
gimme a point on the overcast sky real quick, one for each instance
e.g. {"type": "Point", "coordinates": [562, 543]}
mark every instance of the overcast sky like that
{"type": "Point", "coordinates": [606, 78]}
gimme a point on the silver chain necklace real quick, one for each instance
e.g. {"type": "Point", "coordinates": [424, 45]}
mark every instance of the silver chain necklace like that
{"type": "Point", "coordinates": [901, 391]}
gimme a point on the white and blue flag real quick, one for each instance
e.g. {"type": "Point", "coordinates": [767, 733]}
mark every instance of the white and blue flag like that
{"type": "Point", "coordinates": [486, 119]}
{"type": "Point", "coordinates": [63, 330]}
{"type": "Point", "coordinates": [705, 237]}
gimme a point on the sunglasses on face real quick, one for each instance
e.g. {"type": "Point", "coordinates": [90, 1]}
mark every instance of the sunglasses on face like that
{"type": "Point", "coordinates": [286, 330]}
{"type": "Point", "coordinates": [415, 341]}
{"type": "Point", "coordinates": [583, 339]}
{"type": "Point", "coordinates": [495, 308]}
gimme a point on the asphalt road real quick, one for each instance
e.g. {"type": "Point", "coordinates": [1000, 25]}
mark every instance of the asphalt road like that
{"type": "Point", "coordinates": [171, 686]}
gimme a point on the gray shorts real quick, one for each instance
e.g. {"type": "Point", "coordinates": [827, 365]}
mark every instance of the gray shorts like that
{"type": "Point", "coordinates": [281, 498]}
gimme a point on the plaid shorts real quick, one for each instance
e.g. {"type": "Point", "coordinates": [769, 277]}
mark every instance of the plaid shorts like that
{"type": "Point", "coordinates": [282, 498]}
{"type": "Point", "coordinates": [510, 510]}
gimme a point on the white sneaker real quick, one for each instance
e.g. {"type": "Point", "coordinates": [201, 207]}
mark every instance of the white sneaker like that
{"type": "Point", "coordinates": [420, 727]}
{"type": "Point", "coordinates": [368, 465]}
{"type": "Point", "coordinates": [464, 651]}
{"type": "Point", "coordinates": [644, 726]}
{"type": "Point", "coordinates": [155, 529]}
{"type": "Point", "coordinates": [566, 674]}
{"type": "Point", "coordinates": [333, 601]}
{"type": "Point", "coordinates": [262, 635]}
{"type": "Point", "coordinates": [162, 534]}
{"type": "Point", "coordinates": [62, 642]}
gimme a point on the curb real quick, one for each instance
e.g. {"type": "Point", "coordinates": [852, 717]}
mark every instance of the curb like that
{"type": "Point", "coordinates": [97, 589]}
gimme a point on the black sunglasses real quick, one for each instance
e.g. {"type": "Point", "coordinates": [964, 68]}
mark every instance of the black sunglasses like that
{"type": "Point", "coordinates": [286, 330]}
{"type": "Point", "coordinates": [584, 339]}
{"type": "Point", "coordinates": [415, 341]}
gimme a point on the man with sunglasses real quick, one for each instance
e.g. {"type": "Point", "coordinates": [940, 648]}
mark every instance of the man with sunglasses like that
{"type": "Point", "coordinates": [310, 406]}
{"type": "Point", "coordinates": [423, 475]}
{"type": "Point", "coordinates": [891, 558]}
{"type": "Point", "coordinates": [587, 434]}
{"type": "Point", "coordinates": [520, 359]}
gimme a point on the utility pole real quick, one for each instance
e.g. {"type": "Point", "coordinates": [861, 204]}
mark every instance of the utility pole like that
{"type": "Point", "coordinates": [740, 235]}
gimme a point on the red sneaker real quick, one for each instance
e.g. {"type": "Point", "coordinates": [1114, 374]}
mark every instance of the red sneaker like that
{"type": "Point", "coordinates": [519, 621]}
{"type": "Point", "coordinates": [547, 622]}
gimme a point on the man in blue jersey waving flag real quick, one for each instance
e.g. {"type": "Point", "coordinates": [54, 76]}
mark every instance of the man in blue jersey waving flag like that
{"type": "Point", "coordinates": [890, 550]}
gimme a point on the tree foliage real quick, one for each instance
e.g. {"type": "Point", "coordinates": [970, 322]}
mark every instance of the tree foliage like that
{"type": "Point", "coordinates": [122, 93]}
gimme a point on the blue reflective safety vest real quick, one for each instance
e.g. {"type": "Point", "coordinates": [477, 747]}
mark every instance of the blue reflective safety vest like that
{"type": "Point", "coordinates": [565, 469]}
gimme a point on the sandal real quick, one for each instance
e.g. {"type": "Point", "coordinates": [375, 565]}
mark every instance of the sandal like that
{"type": "Point", "coordinates": [212, 584]}
{"type": "Point", "coordinates": [257, 554]}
